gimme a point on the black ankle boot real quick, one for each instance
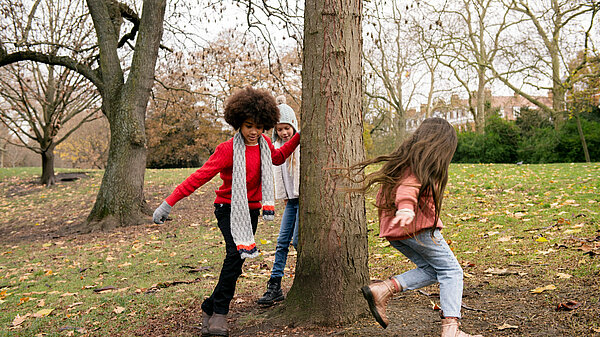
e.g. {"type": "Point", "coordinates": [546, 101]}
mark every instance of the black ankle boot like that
{"type": "Point", "coordinates": [273, 293]}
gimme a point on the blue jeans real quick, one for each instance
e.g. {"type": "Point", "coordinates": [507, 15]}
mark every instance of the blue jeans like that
{"type": "Point", "coordinates": [288, 232]}
{"type": "Point", "coordinates": [435, 263]}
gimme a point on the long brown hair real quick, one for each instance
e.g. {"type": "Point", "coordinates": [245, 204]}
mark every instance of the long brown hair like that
{"type": "Point", "coordinates": [427, 152]}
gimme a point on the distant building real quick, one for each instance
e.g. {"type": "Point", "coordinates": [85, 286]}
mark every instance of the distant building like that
{"type": "Point", "coordinates": [457, 113]}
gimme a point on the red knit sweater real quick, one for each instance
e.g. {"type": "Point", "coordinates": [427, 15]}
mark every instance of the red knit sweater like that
{"type": "Point", "coordinates": [222, 162]}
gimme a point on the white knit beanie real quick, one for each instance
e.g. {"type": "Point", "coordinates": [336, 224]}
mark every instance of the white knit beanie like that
{"type": "Point", "coordinates": [286, 115]}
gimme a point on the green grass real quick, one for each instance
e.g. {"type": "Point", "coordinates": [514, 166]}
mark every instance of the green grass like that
{"type": "Point", "coordinates": [493, 216]}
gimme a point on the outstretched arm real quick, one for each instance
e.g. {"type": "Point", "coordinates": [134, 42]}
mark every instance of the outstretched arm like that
{"type": "Point", "coordinates": [278, 156]}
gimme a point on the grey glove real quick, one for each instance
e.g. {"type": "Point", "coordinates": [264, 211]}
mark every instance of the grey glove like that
{"type": "Point", "coordinates": [161, 213]}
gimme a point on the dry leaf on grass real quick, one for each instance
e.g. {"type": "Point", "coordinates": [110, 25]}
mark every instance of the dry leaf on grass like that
{"type": "Point", "coordinates": [568, 306]}
{"type": "Point", "coordinates": [19, 319]}
{"type": "Point", "coordinates": [43, 313]}
{"type": "Point", "coordinates": [507, 326]}
{"type": "Point", "coordinates": [563, 276]}
{"type": "Point", "coordinates": [539, 290]}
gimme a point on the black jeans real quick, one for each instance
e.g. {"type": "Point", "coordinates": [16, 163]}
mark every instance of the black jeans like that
{"type": "Point", "coordinates": [218, 302]}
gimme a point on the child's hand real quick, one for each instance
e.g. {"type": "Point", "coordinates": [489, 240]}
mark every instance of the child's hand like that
{"type": "Point", "coordinates": [161, 213]}
{"type": "Point", "coordinates": [403, 217]}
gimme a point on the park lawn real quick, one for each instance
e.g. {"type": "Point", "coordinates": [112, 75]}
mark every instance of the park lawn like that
{"type": "Point", "coordinates": [527, 226]}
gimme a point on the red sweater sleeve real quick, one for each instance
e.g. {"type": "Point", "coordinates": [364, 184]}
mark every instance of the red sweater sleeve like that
{"type": "Point", "coordinates": [223, 157]}
{"type": "Point", "coordinates": [407, 193]}
{"type": "Point", "coordinates": [278, 156]}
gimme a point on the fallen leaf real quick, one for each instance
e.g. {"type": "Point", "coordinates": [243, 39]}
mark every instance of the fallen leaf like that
{"type": "Point", "coordinates": [499, 272]}
{"type": "Point", "coordinates": [68, 294]}
{"type": "Point", "coordinates": [43, 313]}
{"type": "Point", "coordinates": [104, 289]}
{"type": "Point", "coordinates": [19, 319]}
{"type": "Point", "coordinates": [568, 306]}
{"type": "Point", "coordinates": [434, 306]}
{"type": "Point", "coordinates": [118, 310]}
{"type": "Point", "coordinates": [541, 239]}
{"type": "Point", "coordinates": [507, 326]}
{"type": "Point", "coordinates": [41, 303]}
{"type": "Point", "coordinates": [539, 290]}
{"type": "Point", "coordinates": [563, 276]}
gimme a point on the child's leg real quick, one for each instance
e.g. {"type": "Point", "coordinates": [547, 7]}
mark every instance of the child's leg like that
{"type": "Point", "coordinates": [419, 277]}
{"type": "Point", "coordinates": [286, 232]}
{"type": "Point", "coordinates": [222, 295]}
{"type": "Point", "coordinates": [435, 261]}
{"type": "Point", "coordinates": [295, 237]}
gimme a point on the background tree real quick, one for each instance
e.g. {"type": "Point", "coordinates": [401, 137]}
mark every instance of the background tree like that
{"type": "Point", "coordinates": [41, 99]}
{"type": "Point", "coordinates": [332, 258]}
{"type": "Point", "coordinates": [185, 115]}
{"type": "Point", "coordinates": [552, 33]}
{"type": "Point", "coordinates": [465, 37]}
{"type": "Point", "coordinates": [4, 141]}
{"type": "Point", "coordinates": [390, 56]}
{"type": "Point", "coordinates": [88, 146]}
{"type": "Point", "coordinates": [124, 92]}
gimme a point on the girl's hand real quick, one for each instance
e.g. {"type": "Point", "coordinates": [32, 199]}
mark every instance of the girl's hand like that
{"type": "Point", "coordinates": [403, 217]}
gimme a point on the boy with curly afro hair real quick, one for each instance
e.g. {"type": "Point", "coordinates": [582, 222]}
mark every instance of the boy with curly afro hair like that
{"type": "Point", "coordinates": [255, 104]}
{"type": "Point", "coordinates": [244, 163]}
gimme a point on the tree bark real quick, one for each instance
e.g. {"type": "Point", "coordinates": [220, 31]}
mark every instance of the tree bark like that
{"type": "Point", "coordinates": [48, 177]}
{"type": "Point", "coordinates": [120, 200]}
{"type": "Point", "coordinates": [333, 250]}
{"type": "Point", "coordinates": [586, 153]}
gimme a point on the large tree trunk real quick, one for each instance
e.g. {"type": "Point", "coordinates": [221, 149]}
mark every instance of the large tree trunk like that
{"type": "Point", "coordinates": [120, 200]}
{"type": "Point", "coordinates": [333, 252]}
{"type": "Point", "coordinates": [48, 177]}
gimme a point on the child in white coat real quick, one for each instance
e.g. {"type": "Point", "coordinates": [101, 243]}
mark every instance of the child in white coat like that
{"type": "Point", "coordinates": [287, 182]}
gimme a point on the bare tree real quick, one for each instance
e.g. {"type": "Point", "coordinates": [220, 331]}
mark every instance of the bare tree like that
{"type": "Point", "coordinates": [4, 141]}
{"type": "Point", "coordinates": [466, 37]}
{"type": "Point", "coordinates": [332, 258]}
{"type": "Point", "coordinates": [40, 99]}
{"type": "Point", "coordinates": [554, 32]}
{"type": "Point", "coordinates": [124, 93]}
{"type": "Point", "coordinates": [393, 58]}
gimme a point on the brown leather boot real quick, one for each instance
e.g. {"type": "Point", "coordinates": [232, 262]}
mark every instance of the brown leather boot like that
{"type": "Point", "coordinates": [205, 318]}
{"type": "Point", "coordinates": [450, 328]}
{"type": "Point", "coordinates": [217, 325]}
{"type": "Point", "coordinates": [378, 294]}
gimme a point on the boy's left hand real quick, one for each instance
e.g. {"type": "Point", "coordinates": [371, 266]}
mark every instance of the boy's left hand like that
{"type": "Point", "coordinates": [161, 213]}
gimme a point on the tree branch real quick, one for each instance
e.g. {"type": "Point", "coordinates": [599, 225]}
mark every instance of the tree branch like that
{"type": "Point", "coordinates": [83, 69]}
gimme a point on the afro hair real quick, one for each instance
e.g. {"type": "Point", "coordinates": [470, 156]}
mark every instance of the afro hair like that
{"type": "Point", "coordinates": [255, 104]}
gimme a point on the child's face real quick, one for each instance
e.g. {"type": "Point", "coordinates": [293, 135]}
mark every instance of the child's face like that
{"type": "Point", "coordinates": [284, 131]}
{"type": "Point", "coordinates": [251, 131]}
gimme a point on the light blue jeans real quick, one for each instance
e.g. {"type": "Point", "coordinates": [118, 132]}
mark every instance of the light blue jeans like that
{"type": "Point", "coordinates": [288, 232]}
{"type": "Point", "coordinates": [435, 263]}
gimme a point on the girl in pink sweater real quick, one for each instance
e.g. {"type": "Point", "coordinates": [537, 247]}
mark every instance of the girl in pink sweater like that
{"type": "Point", "coordinates": [411, 183]}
